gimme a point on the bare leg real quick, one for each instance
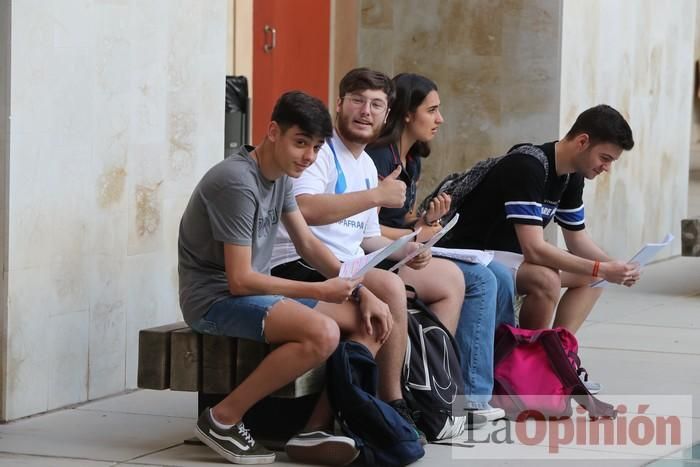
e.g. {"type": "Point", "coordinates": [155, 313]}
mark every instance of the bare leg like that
{"type": "Point", "coordinates": [577, 302]}
{"type": "Point", "coordinates": [308, 339]}
{"type": "Point", "coordinates": [441, 286]}
{"type": "Point", "coordinates": [541, 286]}
{"type": "Point", "coordinates": [347, 316]}
{"type": "Point", "coordinates": [389, 288]}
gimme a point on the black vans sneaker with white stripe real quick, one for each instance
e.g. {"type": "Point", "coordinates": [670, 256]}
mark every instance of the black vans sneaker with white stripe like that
{"type": "Point", "coordinates": [319, 447]}
{"type": "Point", "coordinates": [234, 444]}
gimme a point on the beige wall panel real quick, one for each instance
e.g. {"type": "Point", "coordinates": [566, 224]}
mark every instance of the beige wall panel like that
{"type": "Point", "coordinates": [638, 57]}
{"type": "Point", "coordinates": [496, 64]}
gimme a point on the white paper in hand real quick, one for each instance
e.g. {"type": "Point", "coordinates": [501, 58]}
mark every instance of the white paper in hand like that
{"type": "Point", "coordinates": [432, 241]}
{"type": "Point", "coordinates": [643, 256]}
{"type": "Point", "coordinates": [357, 267]}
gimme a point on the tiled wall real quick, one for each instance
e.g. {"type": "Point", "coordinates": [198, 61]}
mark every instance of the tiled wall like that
{"type": "Point", "coordinates": [638, 57]}
{"type": "Point", "coordinates": [496, 64]}
{"type": "Point", "coordinates": [117, 110]}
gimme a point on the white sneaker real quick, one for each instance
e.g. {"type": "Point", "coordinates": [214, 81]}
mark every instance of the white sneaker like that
{"type": "Point", "coordinates": [592, 386]}
{"type": "Point", "coordinates": [490, 413]}
{"type": "Point", "coordinates": [319, 447]}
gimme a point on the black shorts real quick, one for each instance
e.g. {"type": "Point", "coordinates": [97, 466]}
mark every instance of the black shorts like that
{"type": "Point", "coordinates": [299, 271]}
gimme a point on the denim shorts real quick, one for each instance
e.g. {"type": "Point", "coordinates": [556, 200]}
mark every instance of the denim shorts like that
{"type": "Point", "coordinates": [242, 316]}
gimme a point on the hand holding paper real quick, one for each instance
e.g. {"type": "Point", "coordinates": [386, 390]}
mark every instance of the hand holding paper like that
{"type": "Point", "coordinates": [643, 256]}
{"type": "Point", "coordinates": [427, 245]}
{"type": "Point", "coordinates": [359, 266]}
{"type": "Point", "coordinates": [337, 289]}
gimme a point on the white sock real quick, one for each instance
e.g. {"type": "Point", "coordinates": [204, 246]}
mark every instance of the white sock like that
{"type": "Point", "coordinates": [218, 424]}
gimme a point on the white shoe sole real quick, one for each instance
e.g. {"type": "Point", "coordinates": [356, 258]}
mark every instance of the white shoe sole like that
{"type": "Point", "coordinates": [593, 388]}
{"type": "Point", "coordinates": [230, 456]}
{"type": "Point", "coordinates": [330, 451]}
{"type": "Point", "coordinates": [491, 414]}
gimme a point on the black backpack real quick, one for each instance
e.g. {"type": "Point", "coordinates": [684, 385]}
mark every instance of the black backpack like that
{"type": "Point", "coordinates": [383, 437]}
{"type": "Point", "coordinates": [433, 385]}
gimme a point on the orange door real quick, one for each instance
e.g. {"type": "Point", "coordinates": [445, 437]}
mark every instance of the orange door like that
{"type": "Point", "coordinates": [291, 44]}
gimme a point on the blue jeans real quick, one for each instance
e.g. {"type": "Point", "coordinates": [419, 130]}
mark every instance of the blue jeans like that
{"type": "Point", "coordinates": [241, 316]}
{"type": "Point", "coordinates": [488, 300]}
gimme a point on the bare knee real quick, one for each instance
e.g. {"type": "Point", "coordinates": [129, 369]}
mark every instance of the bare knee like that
{"type": "Point", "coordinates": [396, 299]}
{"type": "Point", "coordinates": [389, 288]}
{"type": "Point", "coordinates": [322, 339]}
{"type": "Point", "coordinates": [452, 280]}
{"type": "Point", "coordinates": [545, 282]}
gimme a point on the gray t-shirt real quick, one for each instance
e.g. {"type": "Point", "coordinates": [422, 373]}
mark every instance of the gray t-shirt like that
{"type": "Point", "coordinates": [233, 204]}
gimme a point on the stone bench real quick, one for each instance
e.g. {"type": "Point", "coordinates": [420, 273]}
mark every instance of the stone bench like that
{"type": "Point", "coordinates": [175, 357]}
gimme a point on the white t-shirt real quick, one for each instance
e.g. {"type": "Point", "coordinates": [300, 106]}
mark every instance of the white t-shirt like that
{"type": "Point", "coordinates": [343, 238]}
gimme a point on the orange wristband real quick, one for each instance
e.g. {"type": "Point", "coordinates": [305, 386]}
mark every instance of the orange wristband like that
{"type": "Point", "coordinates": [596, 267]}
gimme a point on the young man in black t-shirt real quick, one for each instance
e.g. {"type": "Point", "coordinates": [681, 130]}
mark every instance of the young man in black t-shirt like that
{"type": "Point", "coordinates": [523, 192]}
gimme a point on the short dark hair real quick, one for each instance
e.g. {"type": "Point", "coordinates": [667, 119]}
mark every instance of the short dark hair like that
{"type": "Point", "coordinates": [305, 111]}
{"type": "Point", "coordinates": [603, 124]}
{"type": "Point", "coordinates": [411, 91]}
{"type": "Point", "coordinates": [361, 79]}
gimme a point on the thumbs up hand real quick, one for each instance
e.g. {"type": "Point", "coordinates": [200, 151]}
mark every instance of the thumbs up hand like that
{"type": "Point", "coordinates": [391, 191]}
{"type": "Point", "coordinates": [395, 174]}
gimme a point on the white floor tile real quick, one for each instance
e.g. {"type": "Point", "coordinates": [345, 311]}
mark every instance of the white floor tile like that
{"type": "Point", "coordinates": [645, 338]}
{"type": "Point", "coordinates": [18, 460]}
{"type": "Point", "coordinates": [675, 277]}
{"type": "Point", "coordinates": [148, 402]}
{"type": "Point", "coordinates": [105, 436]}
{"type": "Point", "coordinates": [631, 372]}
{"type": "Point", "coordinates": [184, 455]}
{"type": "Point", "coordinates": [676, 312]}
{"type": "Point", "coordinates": [436, 456]}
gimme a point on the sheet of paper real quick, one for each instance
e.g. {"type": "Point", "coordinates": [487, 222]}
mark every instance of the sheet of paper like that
{"type": "Point", "coordinates": [643, 256]}
{"type": "Point", "coordinates": [509, 259]}
{"type": "Point", "coordinates": [466, 255]}
{"type": "Point", "coordinates": [432, 241]}
{"type": "Point", "coordinates": [359, 266]}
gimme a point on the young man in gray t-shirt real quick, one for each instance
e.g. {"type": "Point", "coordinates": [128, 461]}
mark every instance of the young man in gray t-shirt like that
{"type": "Point", "coordinates": [224, 247]}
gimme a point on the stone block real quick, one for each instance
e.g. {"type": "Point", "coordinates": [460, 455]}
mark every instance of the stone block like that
{"type": "Point", "coordinates": [154, 356]}
{"type": "Point", "coordinates": [690, 237]}
{"type": "Point", "coordinates": [185, 360]}
{"type": "Point", "coordinates": [218, 364]}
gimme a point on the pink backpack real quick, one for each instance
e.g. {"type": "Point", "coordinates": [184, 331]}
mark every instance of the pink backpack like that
{"type": "Point", "coordinates": [536, 373]}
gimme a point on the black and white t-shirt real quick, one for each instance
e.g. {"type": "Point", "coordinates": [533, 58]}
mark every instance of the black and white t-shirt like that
{"type": "Point", "coordinates": [515, 192]}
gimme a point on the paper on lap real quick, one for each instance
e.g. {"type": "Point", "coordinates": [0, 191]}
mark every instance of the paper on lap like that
{"type": "Point", "coordinates": [464, 255]}
{"type": "Point", "coordinates": [357, 267]}
{"type": "Point", "coordinates": [509, 259]}
{"type": "Point", "coordinates": [432, 241]}
{"type": "Point", "coordinates": [643, 256]}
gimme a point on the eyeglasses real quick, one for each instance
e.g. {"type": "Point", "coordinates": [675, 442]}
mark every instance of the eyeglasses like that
{"type": "Point", "coordinates": [376, 106]}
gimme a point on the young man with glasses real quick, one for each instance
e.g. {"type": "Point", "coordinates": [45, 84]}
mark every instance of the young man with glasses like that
{"type": "Point", "coordinates": [339, 196]}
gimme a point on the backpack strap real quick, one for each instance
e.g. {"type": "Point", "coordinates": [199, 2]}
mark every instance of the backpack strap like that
{"type": "Point", "coordinates": [505, 343]}
{"type": "Point", "coordinates": [567, 374]}
{"type": "Point", "coordinates": [459, 184]}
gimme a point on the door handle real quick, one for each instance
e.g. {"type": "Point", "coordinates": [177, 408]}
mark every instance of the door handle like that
{"type": "Point", "coordinates": [272, 32]}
